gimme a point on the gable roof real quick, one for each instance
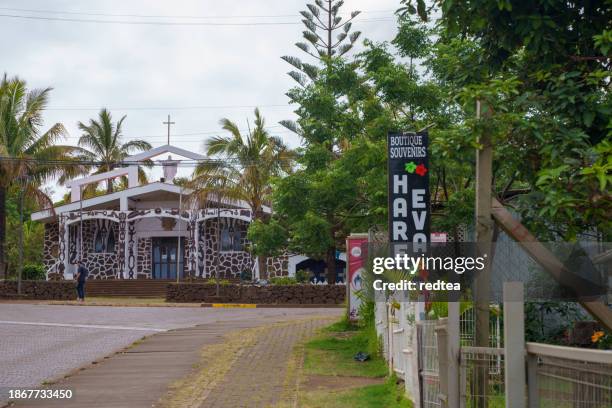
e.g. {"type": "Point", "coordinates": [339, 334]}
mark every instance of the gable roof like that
{"type": "Point", "coordinates": [164, 149]}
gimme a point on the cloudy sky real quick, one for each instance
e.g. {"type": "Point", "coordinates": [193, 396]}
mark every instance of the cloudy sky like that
{"type": "Point", "coordinates": [220, 60]}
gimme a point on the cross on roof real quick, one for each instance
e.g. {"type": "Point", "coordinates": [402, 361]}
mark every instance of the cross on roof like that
{"type": "Point", "coordinates": [169, 123]}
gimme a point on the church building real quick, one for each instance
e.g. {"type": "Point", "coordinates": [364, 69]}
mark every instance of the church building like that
{"type": "Point", "coordinates": [151, 231]}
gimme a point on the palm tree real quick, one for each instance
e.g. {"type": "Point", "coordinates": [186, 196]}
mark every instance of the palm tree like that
{"type": "Point", "coordinates": [102, 142]}
{"type": "Point", "coordinates": [244, 169]}
{"type": "Point", "coordinates": [29, 157]}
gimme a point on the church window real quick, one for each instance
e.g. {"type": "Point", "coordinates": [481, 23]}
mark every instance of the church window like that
{"type": "Point", "coordinates": [110, 241]}
{"type": "Point", "coordinates": [104, 240]}
{"type": "Point", "coordinates": [99, 242]}
{"type": "Point", "coordinates": [231, 239]}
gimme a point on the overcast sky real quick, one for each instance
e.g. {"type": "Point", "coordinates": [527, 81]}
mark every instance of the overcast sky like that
{"type": "Point", "coordinates": [147, 71]}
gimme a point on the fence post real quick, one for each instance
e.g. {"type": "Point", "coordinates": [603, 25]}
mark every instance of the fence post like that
{"type": "Point", "coordinates": [514, 343]}
{"type": "Point", "coordinates": [454, 347]}
{"type": "Point", "coordinates": [533, 391]}
{"type": "Point", "coordinates": [443, 357]}
{"type": "Point", "coordinates": [411, 353]}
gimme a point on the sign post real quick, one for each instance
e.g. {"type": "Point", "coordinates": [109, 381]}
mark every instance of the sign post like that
{"type": "Point", "coordinates": [409, 209]}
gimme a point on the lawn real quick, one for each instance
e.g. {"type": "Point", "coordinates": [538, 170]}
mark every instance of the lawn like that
{"type": "Point", "coordinates": [332, 354]}
{"type": "Point", "coordinates": [387, 395]}
{"type": "Point", "coordinates": [328, 361]}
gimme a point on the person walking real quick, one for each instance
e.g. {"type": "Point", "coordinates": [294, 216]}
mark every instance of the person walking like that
{"type": "Point", "coordinates": [81, 277]}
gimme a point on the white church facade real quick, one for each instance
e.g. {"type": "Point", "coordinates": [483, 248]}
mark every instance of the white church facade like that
{"type": "Point", "coordinates": [151, 231]}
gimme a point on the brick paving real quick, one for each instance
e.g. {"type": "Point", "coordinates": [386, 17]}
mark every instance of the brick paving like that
{"type": "Point", "coordinates": [258, 377]}
{"type": "Point", "coordinates": [33, 353]}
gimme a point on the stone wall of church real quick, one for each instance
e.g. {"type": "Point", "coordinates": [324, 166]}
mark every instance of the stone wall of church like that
{"type": "Point", "coordinates": [50, 245]}
{"type": "Point", "coordinates": [230, 264]}
{"type": "Point", "coordinates": [101, 265]}
{"type": "Point", "coordinates": [278, 266]}
{"type": "Point", "coordinates": [144, 264]}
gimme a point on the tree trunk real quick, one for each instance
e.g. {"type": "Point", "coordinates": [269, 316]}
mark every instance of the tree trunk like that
{"type": "Point", "coordinates": [331, 266]}
{"type": "Point", "coordinates": [109, 186]}
{"type": "Point", "coordinates": [262, 263]}
{"type": "Point", "coordinates": [2, 231]}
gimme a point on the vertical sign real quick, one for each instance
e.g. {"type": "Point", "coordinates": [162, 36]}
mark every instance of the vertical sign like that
{"type": "Point", "coordinates": [408, 188]}
{"type": "Point", "coordinates": [356, 248]}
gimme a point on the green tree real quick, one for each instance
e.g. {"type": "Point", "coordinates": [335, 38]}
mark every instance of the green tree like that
{"type": "Point", "coordinates": [30, 157]}
{"type": "Point", "coordinates": [33, 232]}
{"type": "Point", "coordinates": [322, 21]}
{"type": "Point", "coordinates": [102, 142]}
{"type": "Point", "coordinates": [243, 168]}
{"type": "Point", "coordinates": [544, 74]}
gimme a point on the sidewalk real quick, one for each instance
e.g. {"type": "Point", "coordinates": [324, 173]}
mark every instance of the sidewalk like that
{"type": "Point", "coordinates": [140, 375]}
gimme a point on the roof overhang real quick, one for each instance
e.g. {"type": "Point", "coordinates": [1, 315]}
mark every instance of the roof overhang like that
{"type": "Point", "coordinates": [111, 200]}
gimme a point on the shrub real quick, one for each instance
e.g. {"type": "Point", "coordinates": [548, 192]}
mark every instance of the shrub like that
{"type": "Point", "coordinates": [283, 280]}
{"type": "Point", "coordinates": [303, 275]}
{"type": "Point", "coordinates": [246, 276]}
{"type": "Point", "coordinates": [33, 272]}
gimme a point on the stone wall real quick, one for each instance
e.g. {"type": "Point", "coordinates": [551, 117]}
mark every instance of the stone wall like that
{"type": "Point", "coordinates": [42, 290]}
{"type": "Point", "coordinates": [144, 262]}
{"type": "Point", "coordinates": [50, 245]}
{"type": "Point", "coordinates": [105, 265]}
{"type": "Point", "coordinates": [271, 294]}
{"type": "Point", "coordinates": [231, 263]}
{"type": "Point", "coordinates": [100, 265]}
{"type": "Point", "coordinates": [278, 266]}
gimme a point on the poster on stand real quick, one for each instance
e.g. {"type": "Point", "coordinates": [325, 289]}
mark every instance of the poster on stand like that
{"type": "Point", "coordinates": [356, 249]}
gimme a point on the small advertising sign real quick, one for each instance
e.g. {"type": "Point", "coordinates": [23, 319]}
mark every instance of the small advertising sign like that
{"type": "Point", "coordinates": [439, 237]}
{"type": "Point", "coordinates": [356, 249]}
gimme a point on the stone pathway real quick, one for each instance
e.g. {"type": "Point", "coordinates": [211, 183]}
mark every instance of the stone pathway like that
{"type": "Point", "coordinates": [259, 377]}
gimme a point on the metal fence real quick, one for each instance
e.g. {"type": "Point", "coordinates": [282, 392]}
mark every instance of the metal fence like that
{"type": "Point", "coordinates": [439, 367]}
{"type": "Point", "coordinates": [467, 327]}
{"type": "Point", "coordinates": [482, 377]}
{"type": "Point", "coordinates": [566, 377]}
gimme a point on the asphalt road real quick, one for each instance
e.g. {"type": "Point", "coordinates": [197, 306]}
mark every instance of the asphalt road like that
{"type": "Point", "coordinates": [40, 342]}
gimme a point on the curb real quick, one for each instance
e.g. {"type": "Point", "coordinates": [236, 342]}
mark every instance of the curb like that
{"type": "Point", "coordinates": [271, 305]}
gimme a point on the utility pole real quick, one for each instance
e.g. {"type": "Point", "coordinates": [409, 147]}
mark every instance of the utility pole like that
{"type": "Point", "coordinates": [484, 238]}
{"type": "Point", "coordinates": [24, 180]}
{"type": "Point", "coordinates": [178, 247]}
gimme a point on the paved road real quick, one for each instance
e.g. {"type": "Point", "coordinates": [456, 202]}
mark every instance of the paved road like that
{"type": "Point", "coordinates": [38, 342]}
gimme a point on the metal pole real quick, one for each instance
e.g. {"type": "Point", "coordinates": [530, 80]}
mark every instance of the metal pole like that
{"type": "Point", "coordinates": [484, 237]}
{"type": "Point", "coordinates": [20, 268]}
{"type": "Point", "coordinates": [81, 223]}
{"type": "Point", "coordinates": [218, 247]}
{"type": "Point", "coordinates": [178, 249]}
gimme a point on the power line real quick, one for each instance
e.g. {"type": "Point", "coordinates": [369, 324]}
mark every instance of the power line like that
{"type": "Point", "coordinates": [99, 14]}
{"type": "Point", "coordinates": [169, 108]}
{"type": "Point", "coordinates": [123, 163]}
{"type": "Point", "coordinates": [272, 129]}
{"type": "Point", "coordinates": [166, 23]}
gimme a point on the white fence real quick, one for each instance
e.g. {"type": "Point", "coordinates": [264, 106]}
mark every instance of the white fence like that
{"type": "Point", "coordinates": [441, 367]}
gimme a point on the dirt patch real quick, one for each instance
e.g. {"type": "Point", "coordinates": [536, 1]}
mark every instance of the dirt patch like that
{"type": "Point", "coordinates": [332, 382]}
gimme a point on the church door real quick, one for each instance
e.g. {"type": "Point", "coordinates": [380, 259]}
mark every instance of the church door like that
{"type": "Point", "coordinates": [165, 258]}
